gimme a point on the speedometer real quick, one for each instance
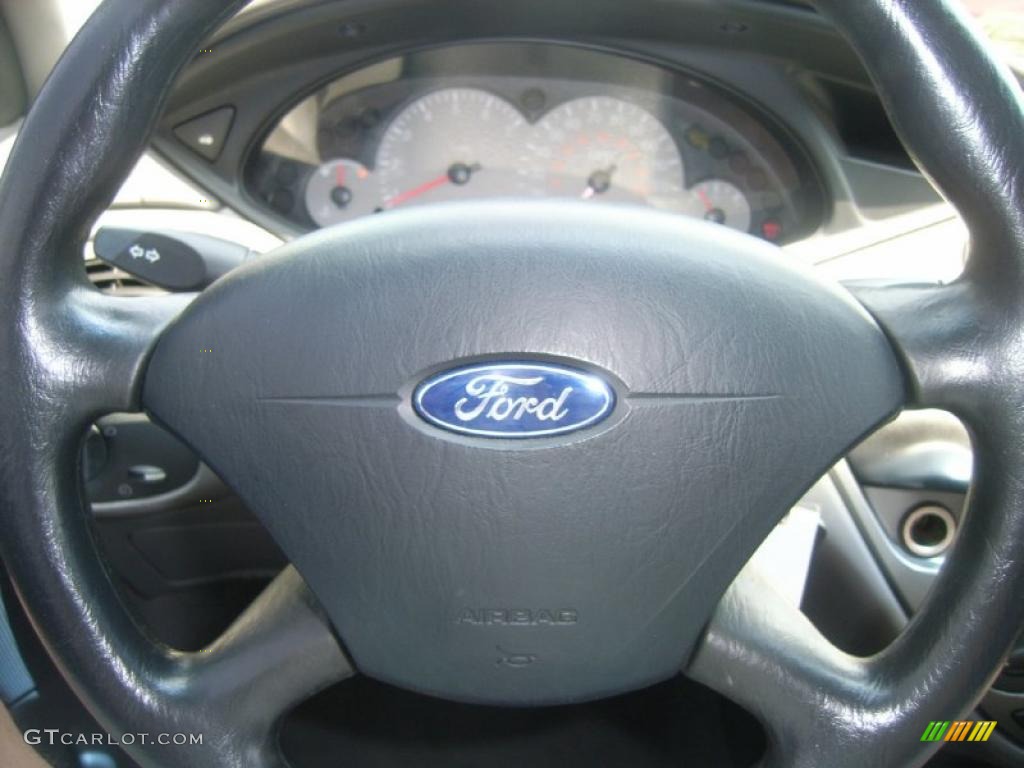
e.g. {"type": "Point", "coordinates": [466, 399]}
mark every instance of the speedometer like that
{"type": "Point", "coordinates": [455, 143]}
{"type": "Point", "coordinates": [604, 148]}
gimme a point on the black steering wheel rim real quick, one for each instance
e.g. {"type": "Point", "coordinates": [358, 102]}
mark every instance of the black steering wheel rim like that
{"type": "Point", "coordinates": [70, 355]}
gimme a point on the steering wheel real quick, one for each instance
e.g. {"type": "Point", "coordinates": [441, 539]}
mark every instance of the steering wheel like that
{"type": "Point", "coordinates": [565, 567]}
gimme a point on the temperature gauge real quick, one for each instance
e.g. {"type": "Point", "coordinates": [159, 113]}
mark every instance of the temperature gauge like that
{"type": "Point", "coordinates": [340, 190]}
{"type": "Point", "coordinates": [720, 202]}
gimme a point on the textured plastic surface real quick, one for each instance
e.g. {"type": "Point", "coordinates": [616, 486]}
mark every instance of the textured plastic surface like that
{"type": "Point", "coordinates": [545, 570]}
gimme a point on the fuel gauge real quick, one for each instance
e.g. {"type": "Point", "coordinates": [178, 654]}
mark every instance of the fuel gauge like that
{"type": "Point", "coordinates": [340, 190]}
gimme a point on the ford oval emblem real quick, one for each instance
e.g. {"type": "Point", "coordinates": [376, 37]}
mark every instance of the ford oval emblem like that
{"type": "Point", "coordinates": [514, 400]}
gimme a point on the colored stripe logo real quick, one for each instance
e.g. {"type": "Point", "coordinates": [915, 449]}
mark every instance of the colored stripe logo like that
{"type": "Point", "coordinates": [958, 730]}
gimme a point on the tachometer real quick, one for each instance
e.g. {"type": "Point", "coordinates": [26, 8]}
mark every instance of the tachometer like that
{"type": "Point", "coordinates": [451, 144]}
{"type": "Point", "coordinates": [604, 148]}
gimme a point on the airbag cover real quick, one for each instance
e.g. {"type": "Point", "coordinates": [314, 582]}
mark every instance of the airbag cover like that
{"type": "Point", "coordinates": [548, 568]}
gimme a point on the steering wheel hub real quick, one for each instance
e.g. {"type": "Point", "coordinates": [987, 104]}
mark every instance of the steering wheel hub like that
{"type": "Point", "coordinates": [672, 388]}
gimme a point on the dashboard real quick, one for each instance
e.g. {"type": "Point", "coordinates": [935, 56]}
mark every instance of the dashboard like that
{"type": "Point", "coordinates": [531, 120]}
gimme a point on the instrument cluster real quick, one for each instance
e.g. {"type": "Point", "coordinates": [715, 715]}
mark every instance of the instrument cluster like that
{"type": "Point", "coordinates": [531, 120]}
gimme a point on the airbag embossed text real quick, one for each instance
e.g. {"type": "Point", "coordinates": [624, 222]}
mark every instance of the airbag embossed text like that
{"type": "Point", "coordinates": [517, 617]}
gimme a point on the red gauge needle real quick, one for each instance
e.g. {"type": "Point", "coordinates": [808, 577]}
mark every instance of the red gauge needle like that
{"type": "Point", "coordinates": [339, 175]}
{"type": "Point", "coordinates": [409, 194]}
{"type": "Point", "coordinates": [708, 205]}
{"type": "Point", "coordinates": [458, 174]}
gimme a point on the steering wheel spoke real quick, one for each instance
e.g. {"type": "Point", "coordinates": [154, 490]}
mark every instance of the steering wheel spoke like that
{"type": "Point", "coordinates": [85, 358]}
{"type": "Point", "coordinates": [942, 333]}
{"type": "Point", "coordinates": [279, 652]}
{"type": "Point", "coordinates": [93, 353]}
{"type": "Point", "coordinates": [760, 651]}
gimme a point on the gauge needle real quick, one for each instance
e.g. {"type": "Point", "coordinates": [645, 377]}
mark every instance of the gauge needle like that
{"type": "Point", "coordinates": [711, 211]}
{"type": "Point", "coordinates": [706, 200]}
{"type": "Point", "coordinates": [409, 194]}
{"type": "Point", "coordinates": [339, 175]}
{"type": "Point", "coordinates": [458, 173]}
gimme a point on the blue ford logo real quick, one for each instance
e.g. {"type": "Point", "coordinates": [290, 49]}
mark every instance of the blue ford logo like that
{"type": "Point", "coordinates": [514, 400]}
